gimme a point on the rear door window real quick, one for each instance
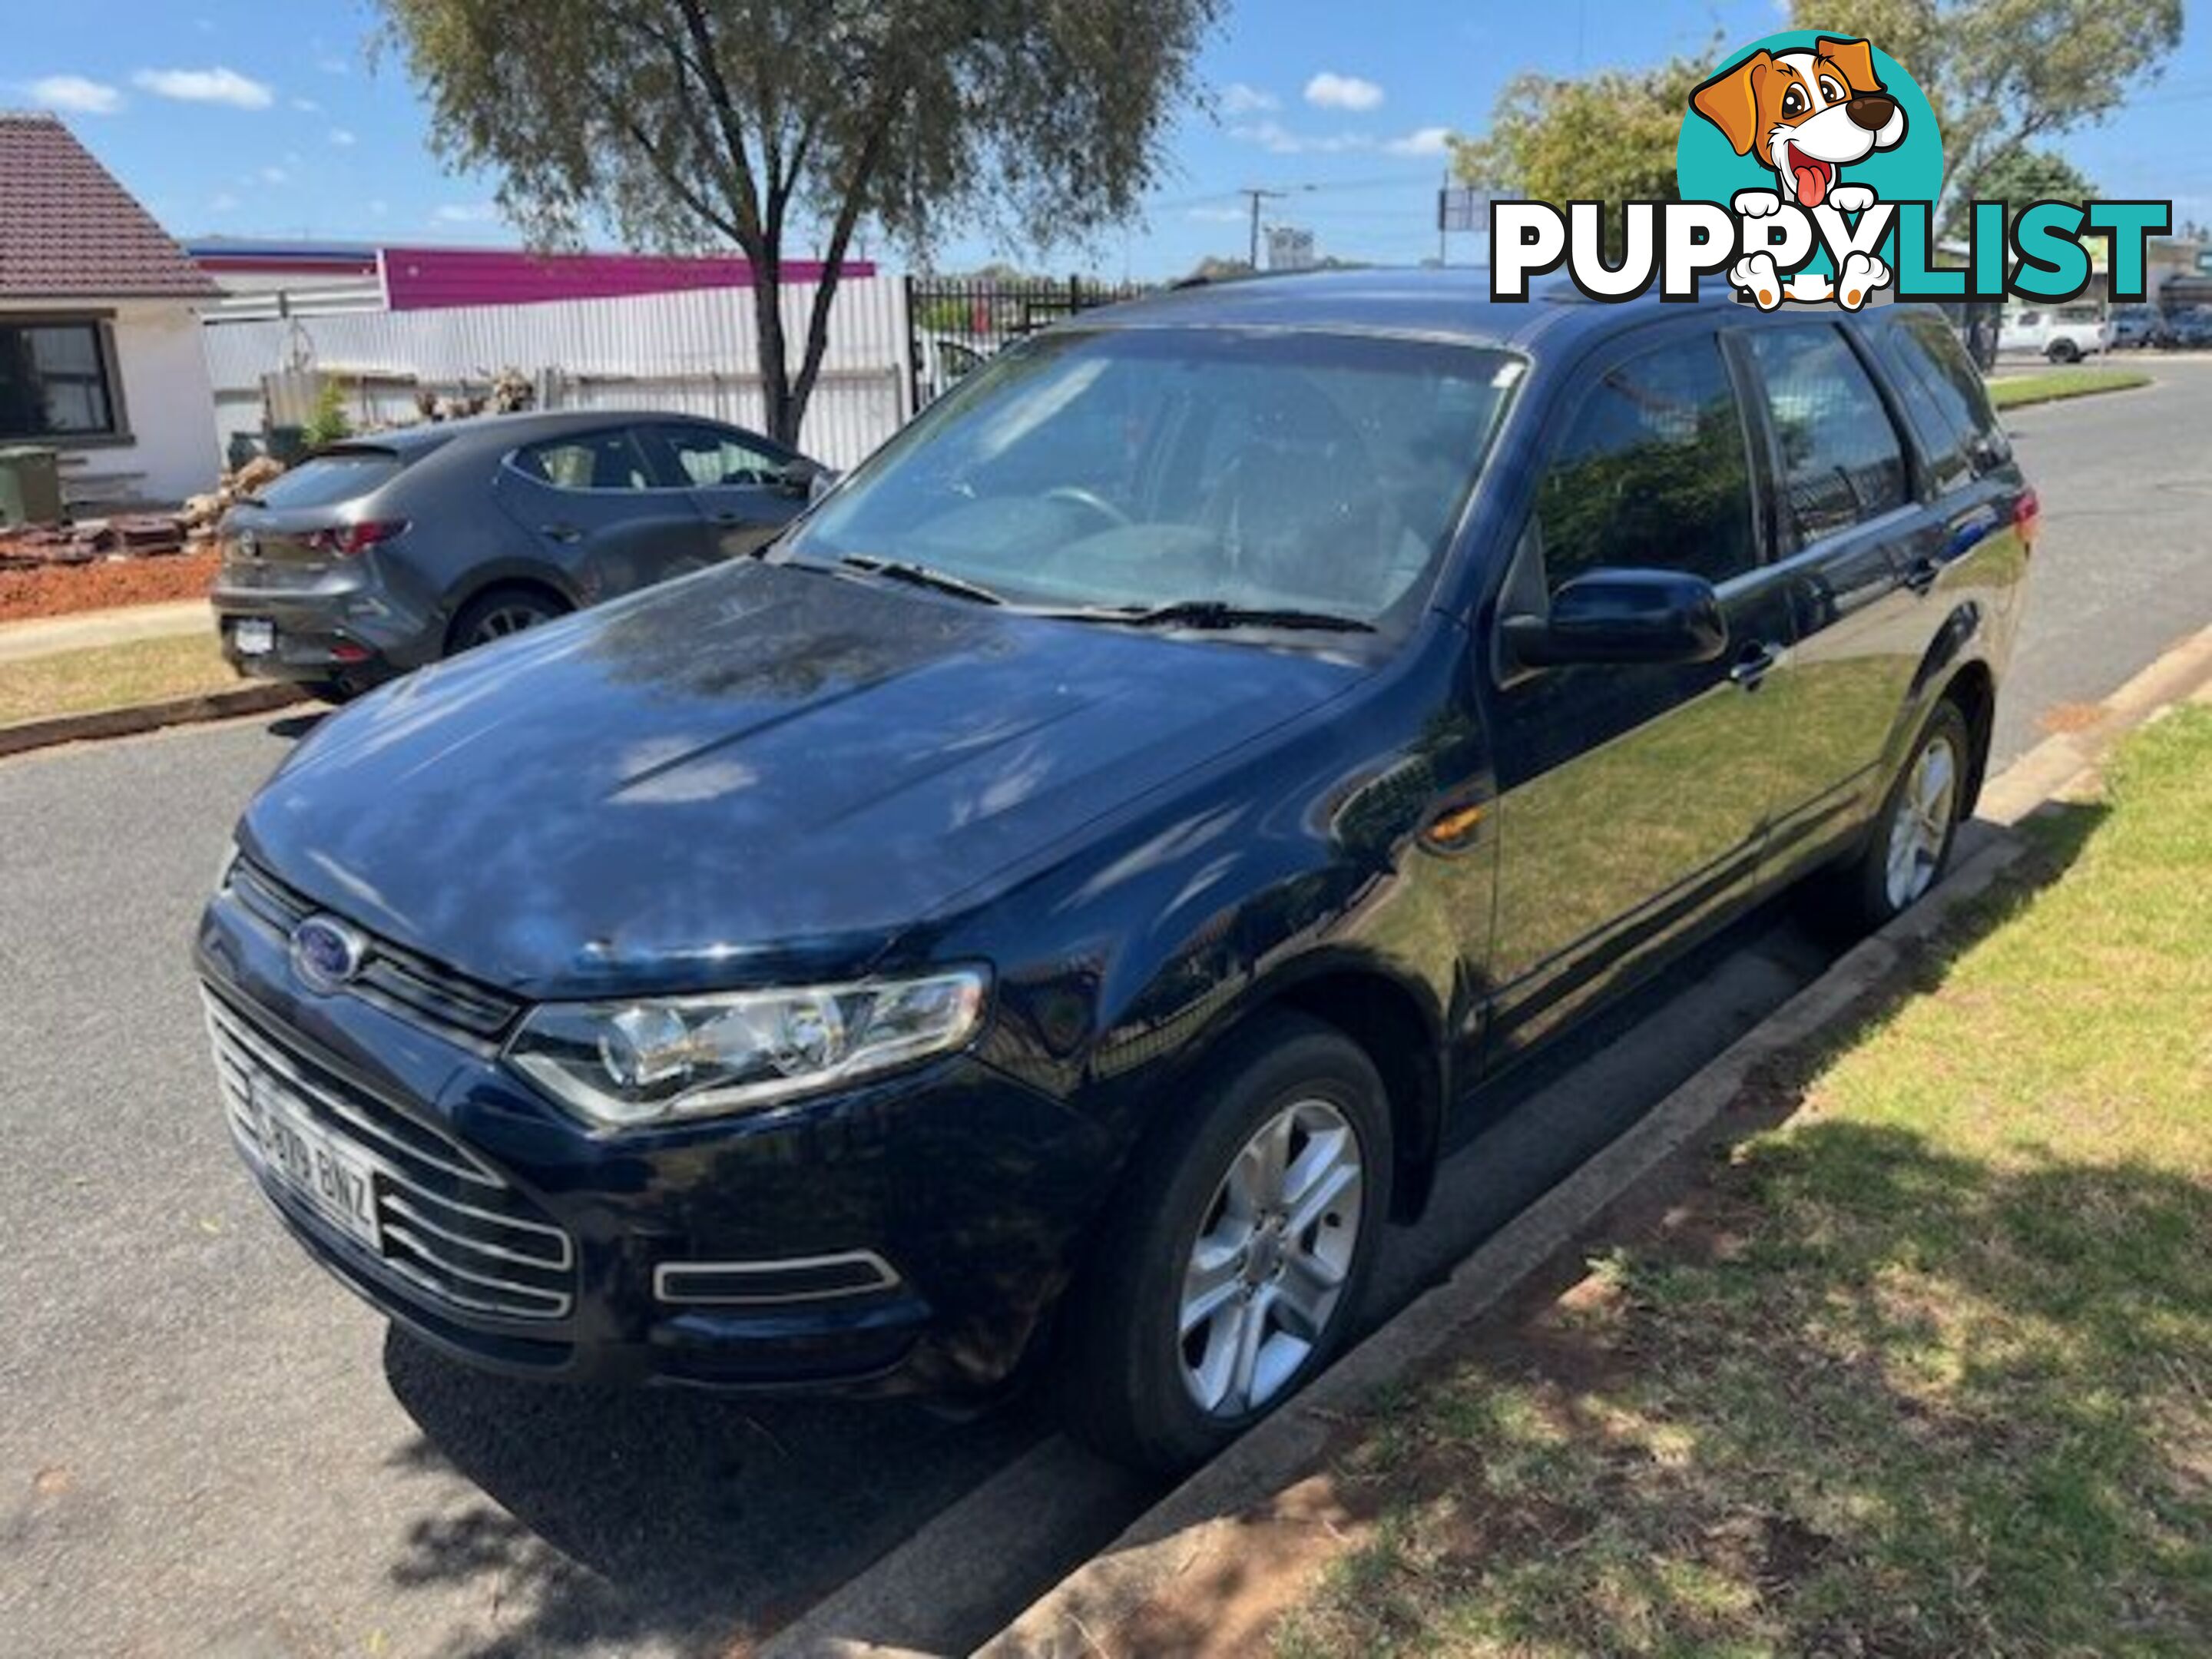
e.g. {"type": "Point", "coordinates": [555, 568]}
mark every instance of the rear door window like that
{"type": "Point", "coordinates": [1842, 462]}
{"type": "Point", "coordinates": [706, 457]}
{"type": "Point", "coordinates": [589, 460]}
{"type": "Point", "coordinates": [1653, 472]}
{"type": "Point", "coordinates": [326, 480]}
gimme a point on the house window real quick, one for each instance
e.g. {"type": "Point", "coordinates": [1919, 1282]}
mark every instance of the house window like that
{"type": "Point", "coordinates": [56, 381]}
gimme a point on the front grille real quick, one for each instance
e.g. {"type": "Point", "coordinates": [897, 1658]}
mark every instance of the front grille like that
{"type": "Point", "coordinates": [450, 1228]}
{"type": "Point", "coordinates": [394, 979]}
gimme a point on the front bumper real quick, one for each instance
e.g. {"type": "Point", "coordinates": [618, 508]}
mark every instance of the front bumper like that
{"type": "Point", "coordinates": [909, 1235]}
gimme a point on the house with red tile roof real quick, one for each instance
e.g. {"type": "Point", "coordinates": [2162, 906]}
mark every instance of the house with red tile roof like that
{"type": "Point", "coordinates": [100, 340]}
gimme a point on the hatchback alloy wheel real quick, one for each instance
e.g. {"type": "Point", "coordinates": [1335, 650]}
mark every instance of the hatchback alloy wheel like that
{"type": "Point", "coordinates": [503, 620]}
{"type": "Point", "coordinates": [1270, 1262]}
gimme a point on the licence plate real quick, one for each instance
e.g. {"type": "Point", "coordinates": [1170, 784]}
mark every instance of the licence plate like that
{"type": "Point", "coordinates": [254, 636]}
{"type": "Point", "coordinates": [311, 1164]}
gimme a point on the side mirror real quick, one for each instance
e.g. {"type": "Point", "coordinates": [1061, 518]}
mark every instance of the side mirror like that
{"type": "Point", "coordinates": [1622, 617]}
{"type": "Point", "coordinates": [820, 483]}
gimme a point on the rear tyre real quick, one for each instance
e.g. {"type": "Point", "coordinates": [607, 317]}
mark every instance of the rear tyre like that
{"type": "Point", "coordinates": [2064, 351]}
{"type": "Point", "coordinates": [1235, 1264]}
{"type": "Point", "coordinates": [1909, 846]}
{"type": "Point", "coordinates": [334, 691]}
{"type": "Point", "coordinates": [500, 611]}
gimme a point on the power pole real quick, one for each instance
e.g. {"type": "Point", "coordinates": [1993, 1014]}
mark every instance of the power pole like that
{"type": "Point", "coordinates": [1258, 197]}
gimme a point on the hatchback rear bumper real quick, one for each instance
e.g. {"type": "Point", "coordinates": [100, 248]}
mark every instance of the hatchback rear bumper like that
{"type": "Point", "coordinates": [324, 633]}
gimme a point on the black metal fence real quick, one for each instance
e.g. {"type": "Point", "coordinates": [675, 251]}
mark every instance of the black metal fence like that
{"type": "Point", "coordinates": [957, 322]}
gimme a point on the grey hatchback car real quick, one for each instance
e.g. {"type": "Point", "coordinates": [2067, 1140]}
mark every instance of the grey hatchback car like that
{"type": "Point", "coordinates": [378, 554]}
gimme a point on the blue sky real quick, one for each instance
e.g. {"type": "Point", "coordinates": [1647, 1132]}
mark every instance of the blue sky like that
{"type": "Point", "coordinates": [225, 120]}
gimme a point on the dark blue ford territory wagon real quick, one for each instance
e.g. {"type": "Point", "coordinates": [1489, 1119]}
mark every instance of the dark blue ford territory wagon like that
{"type": "Point", "coordinates": [1063, 897]}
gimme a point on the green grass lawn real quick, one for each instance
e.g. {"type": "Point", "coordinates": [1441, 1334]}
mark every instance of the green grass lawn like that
{"type": "Point", "coordinates": [2048, 385]}
{"type": "Point", "coordinates": [112, 676]}
{"type": "Point", "coordinates": [1924, 1367]}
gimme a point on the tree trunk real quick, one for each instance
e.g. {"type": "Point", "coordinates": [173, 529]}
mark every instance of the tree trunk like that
{"type": "Point", "coordinates": [781, 413]}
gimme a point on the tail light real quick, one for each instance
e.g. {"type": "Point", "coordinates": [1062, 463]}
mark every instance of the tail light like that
{"type": "Point", "coordinates": [2027, 517]}
{"type": "Point", "coordinates": [346, 541]}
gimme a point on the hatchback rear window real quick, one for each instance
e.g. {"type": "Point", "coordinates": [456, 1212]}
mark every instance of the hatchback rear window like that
{"type": "Point", "coordinates": [344, 474]}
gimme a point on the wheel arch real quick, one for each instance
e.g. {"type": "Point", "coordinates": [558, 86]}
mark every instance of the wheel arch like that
{"type": "Point", "coordinates": [526, 578]}
{"type": "Point", "coordinates": [1396, 1025]}
{"type": "Point", "coordinates": [1972, 685]}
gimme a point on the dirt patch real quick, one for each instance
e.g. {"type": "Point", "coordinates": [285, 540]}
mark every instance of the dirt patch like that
{"type": "Point", "coordinates": [105, 584]}
{"type": "Point", "coordinates": [2065, 717]}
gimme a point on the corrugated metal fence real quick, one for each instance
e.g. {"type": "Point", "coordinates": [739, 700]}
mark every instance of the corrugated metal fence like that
{"type": "Point", "coordinates": [694, 351]}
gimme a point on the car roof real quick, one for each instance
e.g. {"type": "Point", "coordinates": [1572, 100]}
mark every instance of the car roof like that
{"type": "Point", "coordinates": [1450, 304]}
{"type": "Point", "coordinates": [507, 431]}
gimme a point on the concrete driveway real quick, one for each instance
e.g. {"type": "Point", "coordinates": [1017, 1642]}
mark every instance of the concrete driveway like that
{"type": "Point", "coordinates": [209, 1448]}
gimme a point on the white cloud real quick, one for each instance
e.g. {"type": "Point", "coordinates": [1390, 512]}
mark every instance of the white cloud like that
{"type": "Point", "coordinates": [307, 107]}
{"type": "Point", "coordinates": [76, 94]}
{"type": "Point", "coordinates": [344, 138]}
{"type": "Point", "coordinates": [1238, 99]}
{"type": "Point", "coordinates": [222, 202]}
{"type": "Point", "coordinates": [465, 213]}
{"type": "Point", "coordinates": [1218, 215]}
{"type": "Point", "coordinates": [1329, 90]}
{"type": "Point", "coordinates": [207, 86]}
{"type": "Point", "coordinates": [1422, 141]}
{"type": "Point", "coordinates": [274, 176]}
{"type": "Point", "coordinates": [379, 207]}
{"type": "Point", "coordinates": [1278, 140]}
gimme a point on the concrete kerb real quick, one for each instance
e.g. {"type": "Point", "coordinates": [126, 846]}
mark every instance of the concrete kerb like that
{"type": "Point", "coordinates": [147, 717]}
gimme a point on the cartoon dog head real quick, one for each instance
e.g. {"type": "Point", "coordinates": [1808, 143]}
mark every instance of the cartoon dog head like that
{"type": "Point", "coordinates": [1804, 114]}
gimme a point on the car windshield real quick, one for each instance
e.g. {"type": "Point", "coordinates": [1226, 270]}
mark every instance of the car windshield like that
{"type": "Point", "coordinates": [1135, 469]}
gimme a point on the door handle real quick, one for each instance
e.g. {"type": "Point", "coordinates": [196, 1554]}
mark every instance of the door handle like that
{"type": "Point", "coordinates": [1753, 666]}
{"type": "Point", "coordinates": [731, 518]}
{"type": "Point", "coordinates": [1922, 574]}
{"type": "Point", "coordinates": [561, 532]}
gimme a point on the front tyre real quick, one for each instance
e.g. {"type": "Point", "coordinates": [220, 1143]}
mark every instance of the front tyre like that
{"type": "Point", "coordinates": [1234, 1266]}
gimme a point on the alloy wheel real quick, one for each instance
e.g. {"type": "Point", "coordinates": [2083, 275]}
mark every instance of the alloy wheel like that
{"type": "Point", "coordinates": [503, 620]}
{"type": "Point", "coordinates": [1268, 1270]}
{"type": "Point", "coordinates": [1920, 829]}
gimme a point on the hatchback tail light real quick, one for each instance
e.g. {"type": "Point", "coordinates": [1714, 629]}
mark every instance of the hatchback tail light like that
{"type": "Point", "coordinates": [2027, 517]}
{"type": "Point", "coordinates": [345, 541]}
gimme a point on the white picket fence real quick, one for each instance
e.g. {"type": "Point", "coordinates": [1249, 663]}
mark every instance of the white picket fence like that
{"type": "Point", "coordinates": [696, 352]}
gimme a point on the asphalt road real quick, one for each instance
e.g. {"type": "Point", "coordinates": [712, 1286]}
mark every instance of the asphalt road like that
{"type": "Point", "coordinates": [209, 1448]}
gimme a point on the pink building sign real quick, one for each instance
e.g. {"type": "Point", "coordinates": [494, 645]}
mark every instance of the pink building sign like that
{"type": "Point", "coordinates": [431, 278]}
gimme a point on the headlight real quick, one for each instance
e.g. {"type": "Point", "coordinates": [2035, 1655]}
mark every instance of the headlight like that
{"type": "Point", "coordinates": [659, 1059]}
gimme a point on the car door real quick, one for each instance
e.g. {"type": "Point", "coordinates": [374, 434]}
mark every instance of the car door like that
{"type": "Point", "coordinates": [1632, 798]}
{"type": "Point", "coordinates": [596, 509]}
{"type": "Point", "coordinates": [1855, 546]}
{"type": "Point", "coordinates": [742, 486]}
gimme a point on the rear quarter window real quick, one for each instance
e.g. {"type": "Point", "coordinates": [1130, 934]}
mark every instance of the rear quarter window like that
{"type": "Point", "coordinates": [326, 480]}
{"type": "Point", "coordinates": [1934, 352]}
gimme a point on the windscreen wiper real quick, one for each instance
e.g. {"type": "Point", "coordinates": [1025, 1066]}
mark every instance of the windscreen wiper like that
{"type": "Point", "coordinates": [921, 575]}
{"type": "Point", "coordinates": [1219, 613]}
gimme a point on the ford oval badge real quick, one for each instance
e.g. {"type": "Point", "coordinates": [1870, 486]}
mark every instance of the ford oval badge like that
{"type": "Point", "coordinates": [327, 953]}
